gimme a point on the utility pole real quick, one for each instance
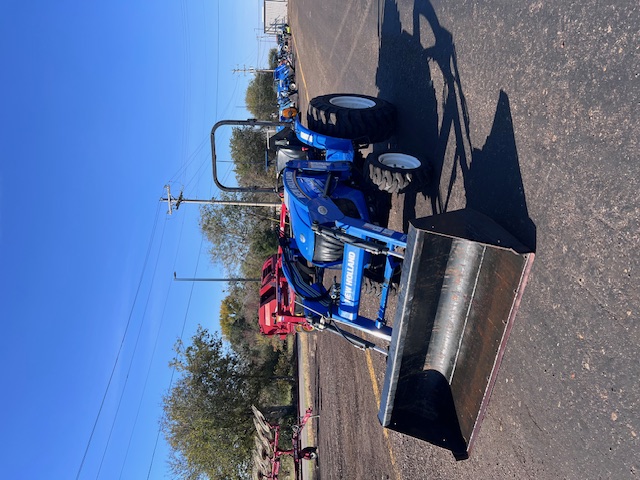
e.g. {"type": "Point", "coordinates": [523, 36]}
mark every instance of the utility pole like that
{"type": "Point", "coordinates": [176, 202]}
{"type": "Point", "coordinates": [253, 70]}
{"type": "Point", "coordinates": [178, 279]}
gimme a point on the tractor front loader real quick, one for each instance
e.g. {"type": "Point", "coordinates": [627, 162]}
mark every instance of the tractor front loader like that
{"type": "Point", "coordinates": [461, 275]}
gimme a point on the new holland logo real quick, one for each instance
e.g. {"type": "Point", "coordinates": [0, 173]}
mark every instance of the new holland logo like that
{"type": "Point", "coordinates": [348, 279]}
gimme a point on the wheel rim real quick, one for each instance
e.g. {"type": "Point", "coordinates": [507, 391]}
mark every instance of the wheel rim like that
{"type": "Point", "coordinates": [303, 328]}
{"type": "Point", "coordinates": [399, 160]}
{"type": "Point", "coordinates": [348, 101]}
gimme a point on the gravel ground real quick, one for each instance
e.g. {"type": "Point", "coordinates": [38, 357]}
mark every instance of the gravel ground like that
{"type": "Point", "coordinates": [529, 113]}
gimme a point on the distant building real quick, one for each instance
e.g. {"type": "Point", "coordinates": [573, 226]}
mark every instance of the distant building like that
{"type": "Point", "coordinates": [275, 15]}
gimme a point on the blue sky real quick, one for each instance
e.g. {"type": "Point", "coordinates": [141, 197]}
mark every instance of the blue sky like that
{"type": "Point", "coordinates": [103, 103]}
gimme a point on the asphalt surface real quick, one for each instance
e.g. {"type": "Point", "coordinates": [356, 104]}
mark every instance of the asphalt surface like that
{"type": "Point", "coordinates": [529, 113]}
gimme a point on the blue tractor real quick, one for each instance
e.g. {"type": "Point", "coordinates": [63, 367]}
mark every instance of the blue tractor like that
{"type": "Point", "coordinates": [285, 87]}
{"type": "Point", "coordinates": [461, 276]}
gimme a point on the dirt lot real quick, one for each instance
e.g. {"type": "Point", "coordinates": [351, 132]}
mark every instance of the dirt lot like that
{"type": "Point", "coordinates": [530, 114]}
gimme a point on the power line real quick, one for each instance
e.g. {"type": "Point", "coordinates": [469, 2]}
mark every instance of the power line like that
{"type": "Point", "coordinates": [135, 349]}
{"type": "Point", "coordinates": [124, 336]}
{"type": "Point", "coordinates": [175, 261]}
{"type": "Point", "coordinates": [184, 322]}
{"type": "Point", "coordinates": [153, 353]}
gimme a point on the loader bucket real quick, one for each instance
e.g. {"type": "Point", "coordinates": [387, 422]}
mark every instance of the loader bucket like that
{"type": "Point", "coordinates": [462, 280]}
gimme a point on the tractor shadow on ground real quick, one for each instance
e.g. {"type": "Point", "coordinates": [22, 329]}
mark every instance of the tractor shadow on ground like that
{"type": "Point", "coordinates": [437, 128]}
{"type": "Point", "coordinates": [425, 409]}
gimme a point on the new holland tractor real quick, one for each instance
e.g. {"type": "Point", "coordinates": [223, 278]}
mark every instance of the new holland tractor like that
{"type": "Point", "coordinates": [461, 275]}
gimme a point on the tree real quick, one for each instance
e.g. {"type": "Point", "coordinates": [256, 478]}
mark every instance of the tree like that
{"type": "Point", "coordinates": [260, 97]}
{"type": "Point", "coordinates": [231, 230]}
{"type": "Point", "coordinates": [239, 329]}
{"type": "Point", "coordinates": [230, 314]}
{"type": "Point", "coordinates": [248, 146]}
{"type": "Point", "coordinates": [207, 414]}
{"type": "Point", "coordinates": [273, 58]}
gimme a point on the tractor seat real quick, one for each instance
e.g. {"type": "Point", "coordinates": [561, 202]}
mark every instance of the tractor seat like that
{"type": "Point", "coordinates": [285, 154]}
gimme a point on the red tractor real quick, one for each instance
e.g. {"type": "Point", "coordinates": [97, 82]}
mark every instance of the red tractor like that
{"type": "Point", "coordinates": [279, 313]}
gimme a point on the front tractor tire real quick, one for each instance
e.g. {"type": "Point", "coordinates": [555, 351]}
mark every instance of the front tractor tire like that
{"type": "Point", "coordinates": [393, 172]}
{"type": "Point", "coordinates": [359, 118]}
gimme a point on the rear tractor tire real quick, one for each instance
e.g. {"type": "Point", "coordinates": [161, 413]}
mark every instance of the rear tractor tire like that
{"type": "Point", "coordinates": [393, 172]}
{"type": "Point", "coordinates": [359, 118]}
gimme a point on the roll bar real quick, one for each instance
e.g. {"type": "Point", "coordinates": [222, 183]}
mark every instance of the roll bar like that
{"type": "Point", "coordinates": [252, 122]}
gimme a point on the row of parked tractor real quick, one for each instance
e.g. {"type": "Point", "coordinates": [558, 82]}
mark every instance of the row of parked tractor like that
{"type": "Point", "coordinates": [284, 75]}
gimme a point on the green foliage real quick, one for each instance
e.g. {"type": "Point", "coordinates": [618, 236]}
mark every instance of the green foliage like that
{"type": "Point", "coordinates": [273, 58]}
{"type": "Point", "coordinates": [207, 416]}
{"type": "Point", "coordinates": [260, 97]}
{"type": "Point", "coordinates": [264, 243]}
{"type": "Point", "coordinates": [230, 315]}
{"type": "Point", "coordinates": [240, 329]}
{"type": "Point", "coordinates": [232, 231]}
{"type": "Point", "coordinates": [248, 146]}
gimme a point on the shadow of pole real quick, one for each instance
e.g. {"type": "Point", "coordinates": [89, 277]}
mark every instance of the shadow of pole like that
{"type": "Point", "coordinates": [464, 284]}
{"type": "Point", "coordinates": [493, 181]}
{"type": "Point", "coordinates": [491, 176]}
